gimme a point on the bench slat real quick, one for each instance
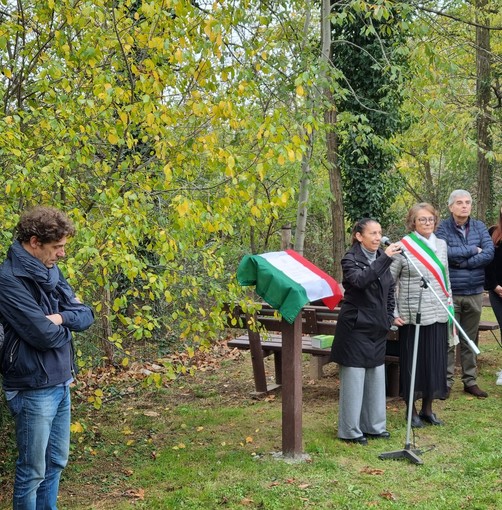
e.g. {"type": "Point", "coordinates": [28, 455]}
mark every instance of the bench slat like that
{"type": "Point", "coordinates": [488, 326]}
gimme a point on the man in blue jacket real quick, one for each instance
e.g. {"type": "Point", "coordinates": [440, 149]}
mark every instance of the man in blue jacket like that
{"type": "Point", "coordinates": [39, 311]}
{"type": "Point", "coordinates": [470, 249]}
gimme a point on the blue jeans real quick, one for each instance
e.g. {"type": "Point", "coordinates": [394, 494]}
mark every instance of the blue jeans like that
{"type": "Point", "coordinates": [42, 418]}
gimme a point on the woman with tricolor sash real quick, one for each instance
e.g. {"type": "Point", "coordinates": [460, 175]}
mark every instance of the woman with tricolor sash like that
{"type": "Point", "coordinates": [429, 255]}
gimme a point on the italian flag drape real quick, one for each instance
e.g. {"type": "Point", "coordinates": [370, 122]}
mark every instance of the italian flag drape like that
{"type": "Point", "coordinates": [287, 281]}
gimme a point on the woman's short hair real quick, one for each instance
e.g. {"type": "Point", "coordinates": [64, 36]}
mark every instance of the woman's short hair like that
{"type": "Point", "coordinates": [47, 224]}
{"type": "Point", "coordinates": [411, 218]}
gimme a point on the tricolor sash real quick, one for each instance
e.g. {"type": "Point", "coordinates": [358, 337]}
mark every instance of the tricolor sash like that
{"type": "Point", "coordinates": [422, 251]}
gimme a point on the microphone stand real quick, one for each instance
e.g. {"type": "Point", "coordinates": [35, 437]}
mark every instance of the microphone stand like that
{"type": "Point", "coordinates": [408, 453]}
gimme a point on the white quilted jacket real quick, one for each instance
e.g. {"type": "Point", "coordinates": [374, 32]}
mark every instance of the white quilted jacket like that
{"type": "Point", "coordinates": [408, 286]}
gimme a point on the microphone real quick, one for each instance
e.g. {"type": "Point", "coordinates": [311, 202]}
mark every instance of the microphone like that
{"type": "Point", "coordinates": [387, 242]}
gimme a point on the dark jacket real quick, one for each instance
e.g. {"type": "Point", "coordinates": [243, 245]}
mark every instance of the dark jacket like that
{"type": "Point", "coordinates": [367, 311]}
{"type": "Point", "coordinates": [493, 271]}
{"type": "Point", "coordinates": [466, 265]}
{"type": "Point", "coordinates": [36, 352]}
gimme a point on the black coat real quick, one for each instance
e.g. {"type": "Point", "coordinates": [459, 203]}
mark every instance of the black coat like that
{"type": "Point", "coordinates": [493, 271]}
{"type": "Point", "coordinates": [367, 310]}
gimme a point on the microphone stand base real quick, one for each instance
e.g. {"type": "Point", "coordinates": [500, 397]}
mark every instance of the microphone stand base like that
{"type": "Point", "coordinates": [406, 453]}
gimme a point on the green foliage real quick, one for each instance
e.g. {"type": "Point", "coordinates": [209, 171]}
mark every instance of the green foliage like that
{"type": "Point", "coordinates": [370, 49]}
{"type": "Point", "coordinates": [439, 151]}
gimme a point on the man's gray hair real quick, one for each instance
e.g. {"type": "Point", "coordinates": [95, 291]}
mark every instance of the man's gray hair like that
{"type": "Point", "coordinates": [456, 194]}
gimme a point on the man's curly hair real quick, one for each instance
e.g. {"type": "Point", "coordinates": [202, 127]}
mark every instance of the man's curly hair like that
{"type": "Point", "coordinates": [47, 224]}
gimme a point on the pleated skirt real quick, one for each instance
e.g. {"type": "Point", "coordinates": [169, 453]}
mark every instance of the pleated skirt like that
{"type": "Point", "coordinates": [431, 363]}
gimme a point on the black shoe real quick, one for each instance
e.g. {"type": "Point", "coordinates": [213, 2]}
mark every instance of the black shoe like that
{"type": "Point", "coordinates": [416, 422]}
{"type": "Point", "coordinates": [476, 391]}
{"type": "Point", "coordinates": [431, 418]}
{"type": "Point", "coordinates": [382, 435]}
{"type": "Point", "coordinates": [360, 440]}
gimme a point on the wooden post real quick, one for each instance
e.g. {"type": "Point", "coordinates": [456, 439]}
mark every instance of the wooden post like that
{"type": "Point", "coordinates": [260, 380]}
{"type": "Point", "coordinates": [286, 237]}
{"type": "Point", "coordinates": [292, 388]}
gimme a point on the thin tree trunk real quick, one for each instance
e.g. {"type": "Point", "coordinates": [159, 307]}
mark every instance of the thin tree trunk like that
{"type": "Point", "coordinates": [303, 192]}
{"type": "Point", "coordinates": [107, 346]}
{"type": "Point", "coordinates": [303, 199]}
{"type": "Point", "coordinates": [483, 82]}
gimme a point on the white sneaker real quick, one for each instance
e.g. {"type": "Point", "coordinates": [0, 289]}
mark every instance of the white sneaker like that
{"type": "Point", "coordinates": [499, 379]}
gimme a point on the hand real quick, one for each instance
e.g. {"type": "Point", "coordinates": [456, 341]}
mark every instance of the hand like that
{"type": "Point", "coordinates": [393, 249]}
{"type": "Point", "coordinates": [398, 321]}
{"type": "Point", "coordinates": [56, 318]}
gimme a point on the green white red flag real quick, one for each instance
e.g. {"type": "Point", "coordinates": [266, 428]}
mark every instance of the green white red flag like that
{"type": "Point", "coordinates": [287, 281]}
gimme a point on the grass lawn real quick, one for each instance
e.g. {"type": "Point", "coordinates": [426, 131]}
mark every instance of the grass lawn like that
{"type": "Point", "coordinates": [204, 443]}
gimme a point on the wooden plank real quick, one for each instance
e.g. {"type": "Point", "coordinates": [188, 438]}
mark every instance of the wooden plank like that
{"type": "Point", "coordinates": [488, 326]}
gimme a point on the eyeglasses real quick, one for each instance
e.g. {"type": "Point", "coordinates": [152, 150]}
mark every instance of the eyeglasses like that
{"type": "Point", "coordinates": [426, 220]}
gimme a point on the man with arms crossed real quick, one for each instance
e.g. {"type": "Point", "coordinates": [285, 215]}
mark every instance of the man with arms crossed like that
{"type": "Point", "coordinates": [39, 310]}
{"type": "Point", "coordinates": [470, 249]}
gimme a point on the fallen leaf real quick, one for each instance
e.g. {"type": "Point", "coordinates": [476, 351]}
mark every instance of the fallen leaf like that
{"type": "Point", "coordinates": [372, 471]}
{"type": "Point", "coordinates": [135, 494]}
{"type": "Point", "coordinates": [388, 495]}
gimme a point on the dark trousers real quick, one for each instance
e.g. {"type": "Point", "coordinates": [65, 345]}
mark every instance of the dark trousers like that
{"type": "Point", "coordinates": [496, 303]}
{"type": "Point", "coordinates": [468, 314]}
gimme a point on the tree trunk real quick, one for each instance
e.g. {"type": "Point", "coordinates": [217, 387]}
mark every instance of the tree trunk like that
{"type": "Point", "coordinates": [303, 198]}
{"type": "Point", "coordinates": [286, 237]}
{"type": "Point", "coordinates": [106, 345]}
{"type": "Point", "coordinates": [335, 176]}
{"type": "Point", "coordinates": [484, 141]}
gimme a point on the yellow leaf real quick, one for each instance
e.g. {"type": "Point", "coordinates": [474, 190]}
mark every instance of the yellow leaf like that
{"type": "Point", "coordinates": [300, 91]}
{"type": "Point", "coordinates": [183, 208]}
{"type": "Point", "coordinates": [113, 138]}
{"type": "Point", "coordinates": [76, 428]}
{"type": "Point", "coordinates": [249, 439]}
{"type": "Point", "coordinates": [260, 170]}
{"type": "Point", "coordinates": [281, 160]}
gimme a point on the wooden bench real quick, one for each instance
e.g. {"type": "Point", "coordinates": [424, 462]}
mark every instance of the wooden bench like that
{"type": "Point", "coordinates": [266, 339]}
